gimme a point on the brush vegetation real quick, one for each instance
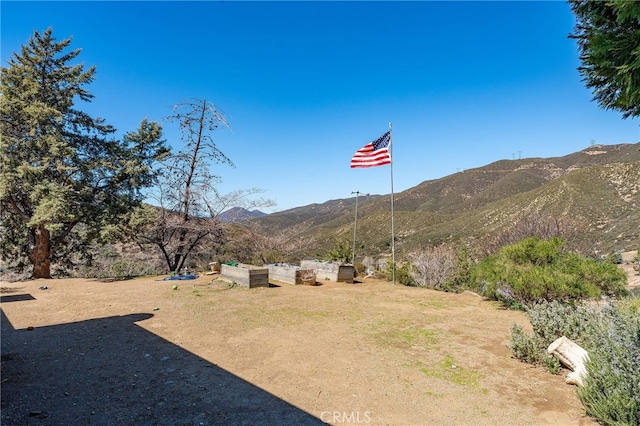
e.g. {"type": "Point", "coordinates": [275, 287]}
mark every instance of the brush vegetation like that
{"type": "Point", "coordinates": [534, 269]}
{"type": "Point", "coordinates": [611, 336]}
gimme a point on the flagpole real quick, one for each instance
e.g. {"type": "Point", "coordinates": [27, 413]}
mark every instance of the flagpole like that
{"type": "Point", "coordinates": [393, 237]}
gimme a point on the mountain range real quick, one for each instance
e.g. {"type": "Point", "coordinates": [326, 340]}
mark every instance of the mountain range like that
{"type": "Point", "coordinates": [596, 190]}
{"type": "Point", "coordinates": [239, 214]}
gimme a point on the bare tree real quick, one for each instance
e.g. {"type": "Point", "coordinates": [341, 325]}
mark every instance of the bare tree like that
{"type": "Point", "coordinates": [187, 195]}
{"type": "Point", "coordinates": [433, 266]}
{"type": "Point", "coordinates": [261, 246]}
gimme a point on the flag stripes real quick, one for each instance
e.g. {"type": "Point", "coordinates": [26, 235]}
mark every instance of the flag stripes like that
{"type": "Point", "coordinates": [373, 154]}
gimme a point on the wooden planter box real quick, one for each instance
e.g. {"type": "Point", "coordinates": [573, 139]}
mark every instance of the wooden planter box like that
{"type": "Point", "coordinates": [245, 275]}
{"type": "Point", "coordinates": [330, 271]}
{"type": "Point", "coordinates": [291, 274]}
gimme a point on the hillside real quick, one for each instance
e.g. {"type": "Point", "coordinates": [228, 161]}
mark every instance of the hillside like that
{"type": "Point", "coordinates": [315, 214]}
{"type": "Point", "coordinates": [239, 214]}
{"type": "Point", "coordinates": [597, 190]}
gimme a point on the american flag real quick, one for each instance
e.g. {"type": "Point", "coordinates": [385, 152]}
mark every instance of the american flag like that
{"type": "Point", "coordinates": [373, 154]}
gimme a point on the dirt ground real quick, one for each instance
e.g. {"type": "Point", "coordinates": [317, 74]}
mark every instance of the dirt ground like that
{"type": "Point", "coordinates": [143, 352]}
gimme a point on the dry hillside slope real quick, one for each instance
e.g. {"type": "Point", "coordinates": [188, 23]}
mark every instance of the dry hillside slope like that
{"type": "Point", "coordinates": [597, 189]}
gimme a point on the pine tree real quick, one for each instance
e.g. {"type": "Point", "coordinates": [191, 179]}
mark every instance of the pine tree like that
{"type": "Point", "coordinates": [63, 176]}
{"type": "Point", "coordinates": [608, 35]}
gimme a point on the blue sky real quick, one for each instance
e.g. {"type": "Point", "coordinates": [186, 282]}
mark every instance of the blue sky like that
{"type": "Point", "coordinates": [306, 84]}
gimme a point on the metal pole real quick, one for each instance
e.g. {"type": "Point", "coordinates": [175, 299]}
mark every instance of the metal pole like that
{"type": "Point", "coordinates": [355, 224]}
{"type": "Point", "coordinates": [393, 237]}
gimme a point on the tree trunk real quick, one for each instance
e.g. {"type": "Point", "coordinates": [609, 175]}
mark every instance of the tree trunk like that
{"type": "Point", "coordinates": [41, 255]}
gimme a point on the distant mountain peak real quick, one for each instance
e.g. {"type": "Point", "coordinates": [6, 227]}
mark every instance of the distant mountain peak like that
{"type": "Point", "coordinates": [239, 214]}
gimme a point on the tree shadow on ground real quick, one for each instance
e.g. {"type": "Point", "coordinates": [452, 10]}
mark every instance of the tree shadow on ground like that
{"type": "Point", "coordinates": [110, 371]}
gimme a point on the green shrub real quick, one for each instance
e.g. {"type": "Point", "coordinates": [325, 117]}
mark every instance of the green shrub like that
{"type": "Point", "coordinates": [359, 269]}
{"type": "Point", "coordinates": [403, 274]}
{"type": "Point", "coordinates": [534, 270]}
{"type": "Point", "coordinates": [551, 320]}
{"type": "Point", "coordinates": [531, 349]}
{"type": "Point", "coordinates": [611, 390]}
{"type": "Point", "coordinates": [533, 251]}
{"type": "Point", "coordinates": [341, 253]}
{"type": "Point", "coordinates": [465, 261]}
{"type": "Point", "coordinates": [610, 335]}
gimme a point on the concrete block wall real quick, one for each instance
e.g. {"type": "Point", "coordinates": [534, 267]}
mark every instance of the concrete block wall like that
{"type": "Point", "coordinates": [330, 270]}
{"type": "Point", "coordinates": [244, 275]}
{"type": "Point", "coordinates": [291, 274]}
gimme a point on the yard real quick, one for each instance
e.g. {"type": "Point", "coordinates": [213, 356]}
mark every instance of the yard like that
{"type": "Point", "coordinates": [143, 352]}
